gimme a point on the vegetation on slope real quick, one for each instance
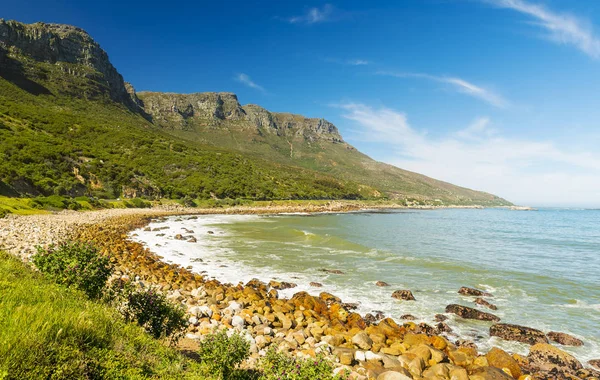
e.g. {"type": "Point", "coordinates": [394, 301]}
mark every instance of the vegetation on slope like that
{"type": "Point", "coordinates": [57, 144]}
{"type": "Point", "coordinates": [50, 332]}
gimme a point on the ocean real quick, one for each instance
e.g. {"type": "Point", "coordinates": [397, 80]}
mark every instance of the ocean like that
{"type": "Point", "coordinates": [542, 267]}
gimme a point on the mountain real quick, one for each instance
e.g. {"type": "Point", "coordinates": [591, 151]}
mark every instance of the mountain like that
{"type": "Point", "coordinates": [70, 125]}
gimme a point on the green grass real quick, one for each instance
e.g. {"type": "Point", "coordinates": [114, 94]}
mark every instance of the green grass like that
{"type": "Point", "coordinates": [49, 332]}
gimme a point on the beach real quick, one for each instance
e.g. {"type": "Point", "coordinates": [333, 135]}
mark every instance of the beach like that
{"type": "Point", "coordinates": [272, 312]}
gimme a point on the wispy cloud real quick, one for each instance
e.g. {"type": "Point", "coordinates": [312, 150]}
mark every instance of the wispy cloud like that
{"type": "Point", "coordinates": [561, 28]}
{"type": "Point", "coordinates": [457, 84]}
{"type": "Point", "coordinates": [314, 15]}
{"type": "Point", "coordinates": [479, 157]}
{"type": "Point", "coordinates": [349, 62]}
{"type": "Point", "coordinates": [245, 79]}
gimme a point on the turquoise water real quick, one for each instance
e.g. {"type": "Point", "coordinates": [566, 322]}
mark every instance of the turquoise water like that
{"type": "Point", "coordinates": [543, 267]}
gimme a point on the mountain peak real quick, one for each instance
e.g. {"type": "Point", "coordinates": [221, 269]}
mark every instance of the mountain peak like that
{"type": "Point", "coordinates": [69, 49]}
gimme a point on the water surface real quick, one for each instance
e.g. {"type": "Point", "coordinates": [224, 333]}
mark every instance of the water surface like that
{"type": "Point", "coordinates": [541, 266]}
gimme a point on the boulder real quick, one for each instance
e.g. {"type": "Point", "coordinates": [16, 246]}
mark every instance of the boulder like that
{"type": "Point", "coordinates": [473, 292]}
{"type": "Point", "coordinates": [382, 283]}
{"type": "Point", "coordinates": [518, 333]}
{"type": "Point", "coordinates": [281, 285]}
{"type": "Point", "coordinates": [595, 363]}
{"type": "Point", "coordinates": [489, 373]}
{"type": "Point", "coordinates": [393, 375]}
{"type": "Point", "coordinates": [329, 298]}
{"type": "Point", "coordinates": [546, 357]}
{"type": "Point", "coordinates": [470, 313]}
{"type": "Point", "coordinates": [408, 317]}
{"type": "Point", "coordinates": [440, 317]}
{"type": "Point", "coordinates": [482, 302]}
{"type": "Point", "coordinates": [316, 284]}
{"type": "Point", "coordinates": [564, 339]}
{"type": "Point", "coordinates": [362, 341]}
{"type": "Point", "coordinates": [501, 359]}
{"type": "Point", "coordinates": [179, 237]}
{"type": "Point", "coordinates": [405, 295]}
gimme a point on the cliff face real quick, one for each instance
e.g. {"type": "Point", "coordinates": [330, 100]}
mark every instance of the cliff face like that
{"type": "Point", "coordinates": [184, 111]}
{"type": "Point", "coordinates": [70, 49]}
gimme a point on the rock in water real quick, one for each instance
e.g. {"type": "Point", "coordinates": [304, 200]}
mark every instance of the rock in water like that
{"type": "Point", "coordinates": [403, 295]}
{"type": "Point", "coordinates": [564, 339]}
{"type": "Point", "coordinates": [545, 357]}
{"type": "Point", "coordinates": [382, 283]}
{"type": "Point", "coordinates": [595, 363]}
{"type": "Point", "coordinates": [482, 302]}
{"type": "Point", "coordinates": [470, 313]}
{"type": "Point", "coordinates": [473, 292]}
{"type": "Point", "coordinates": [518, 333]}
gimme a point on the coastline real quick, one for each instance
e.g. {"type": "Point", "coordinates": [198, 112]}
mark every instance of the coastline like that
{"type": "Point", "coordinates": [302, 324]}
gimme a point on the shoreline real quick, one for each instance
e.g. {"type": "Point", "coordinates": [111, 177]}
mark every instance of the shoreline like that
{"type": "Point", "coordinates": [302, 320]}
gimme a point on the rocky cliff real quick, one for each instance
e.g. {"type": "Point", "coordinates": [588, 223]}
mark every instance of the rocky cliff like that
{"type": "Point", "coordinates": [185, 111]}
{"type": "Point", "coordinates": [69, 49]}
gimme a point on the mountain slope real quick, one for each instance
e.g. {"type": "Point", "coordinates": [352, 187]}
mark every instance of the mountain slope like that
{"type": "Point", "coordinates": [218, 119]}
{"type": "Point", "coordinates": [70, 125]}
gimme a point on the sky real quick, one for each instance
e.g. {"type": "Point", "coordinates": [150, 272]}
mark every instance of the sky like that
{"type": "Point", "coordinates": [495, 95]}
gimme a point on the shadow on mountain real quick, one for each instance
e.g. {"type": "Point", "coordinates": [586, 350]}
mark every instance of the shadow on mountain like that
{"type": "Point", "coordinates": [13, 71]}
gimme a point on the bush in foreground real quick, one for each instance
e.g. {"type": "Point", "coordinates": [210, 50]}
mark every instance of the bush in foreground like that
{"type": "Point", "coordinates": [151, 310]}
{"type": "Point", "coordinates": [278, 366]}
{"type": "Point", "coordinates": [75, 264]}
{"type": "Point", "coordinates": [222, 353]}
{"type": "Point", "coordinates": [50, 332]}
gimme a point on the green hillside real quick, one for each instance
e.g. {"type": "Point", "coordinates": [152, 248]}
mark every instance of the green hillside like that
{"type": "Point", "coordinates": [70, 125]}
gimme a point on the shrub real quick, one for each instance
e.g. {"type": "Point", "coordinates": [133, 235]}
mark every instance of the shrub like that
{"type": "Point", "coordinates": [140, 203]}
{"type": "Point", "coordinates": [277, 366]}
{"type": "Point", "coordinates": [75, 264]}
{"type": "Point", "coordinates": [222, 353]}
{"type": "Point", "coordinates": [151, 310]}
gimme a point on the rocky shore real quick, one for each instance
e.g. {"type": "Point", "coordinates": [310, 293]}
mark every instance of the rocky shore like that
{"type": "Point", "coordinates": [369, 347]}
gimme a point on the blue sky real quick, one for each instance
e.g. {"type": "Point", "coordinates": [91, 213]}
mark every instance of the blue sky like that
{"type": "Point", "coordinates": [496, 95]}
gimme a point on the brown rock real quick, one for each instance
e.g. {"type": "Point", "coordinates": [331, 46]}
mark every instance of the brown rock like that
{"type": "Point", "coordinates": [408, 317]}
{"type": "Point", "coordinates": [281, 285]}
{"type": "Point", "coordinates": [440, 317]}
{"type": "Point", "coordinates": [564, 339]}
{"type": "Point", "coordinates": [595, 363]}
{"type": "Point", "coordinates": [316, 284]}
{"type": "Point", "coordinates": [500, 359]}
{"type": "Point", "coordinates": [482, 302]}
{"type": "Point", "coordinates": [332, 271]}
{"type": "Point", "coordinates": [489, 373]}
{"type": "Point", "coordinates": [329, 298]}
{"type": "Point", "coordinates": [518, 333]}
{"type": "Point", "coordinates": [382, 283]}
{"type": "Point", "coordinates": [470, 313]}
{"type": "Point", "coordinates": [473, 292]}
{"type": "Point", "coordinates": [405, 295]}
{"type": "Point", "coordinates": [179, 237]}
{"type": "Point", "coordinates": [545, 357]}
{"type": "Point", "coordinates": [362, 341]}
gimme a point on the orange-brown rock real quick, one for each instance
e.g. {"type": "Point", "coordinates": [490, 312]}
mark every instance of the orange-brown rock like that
{"type": "Point", "coordinates": [500, 359]}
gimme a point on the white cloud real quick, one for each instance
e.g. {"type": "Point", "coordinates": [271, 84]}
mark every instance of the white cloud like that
{"type": "Point", "coordinates": [459, 85]}
{"type": "Point", "coordinates": [561, 28]}
{"type": "Point", "coordinates": [350, 62]}
{"type": "Point", "coordinates": [245, 79]}
{"type": "Point", "coordinates": [478, 157]}
{"type": "Point", "coordinates": [313, 15]}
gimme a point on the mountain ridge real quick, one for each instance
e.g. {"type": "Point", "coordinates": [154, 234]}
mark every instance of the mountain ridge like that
{"type": "Point", "coordinates": [64, 64]}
